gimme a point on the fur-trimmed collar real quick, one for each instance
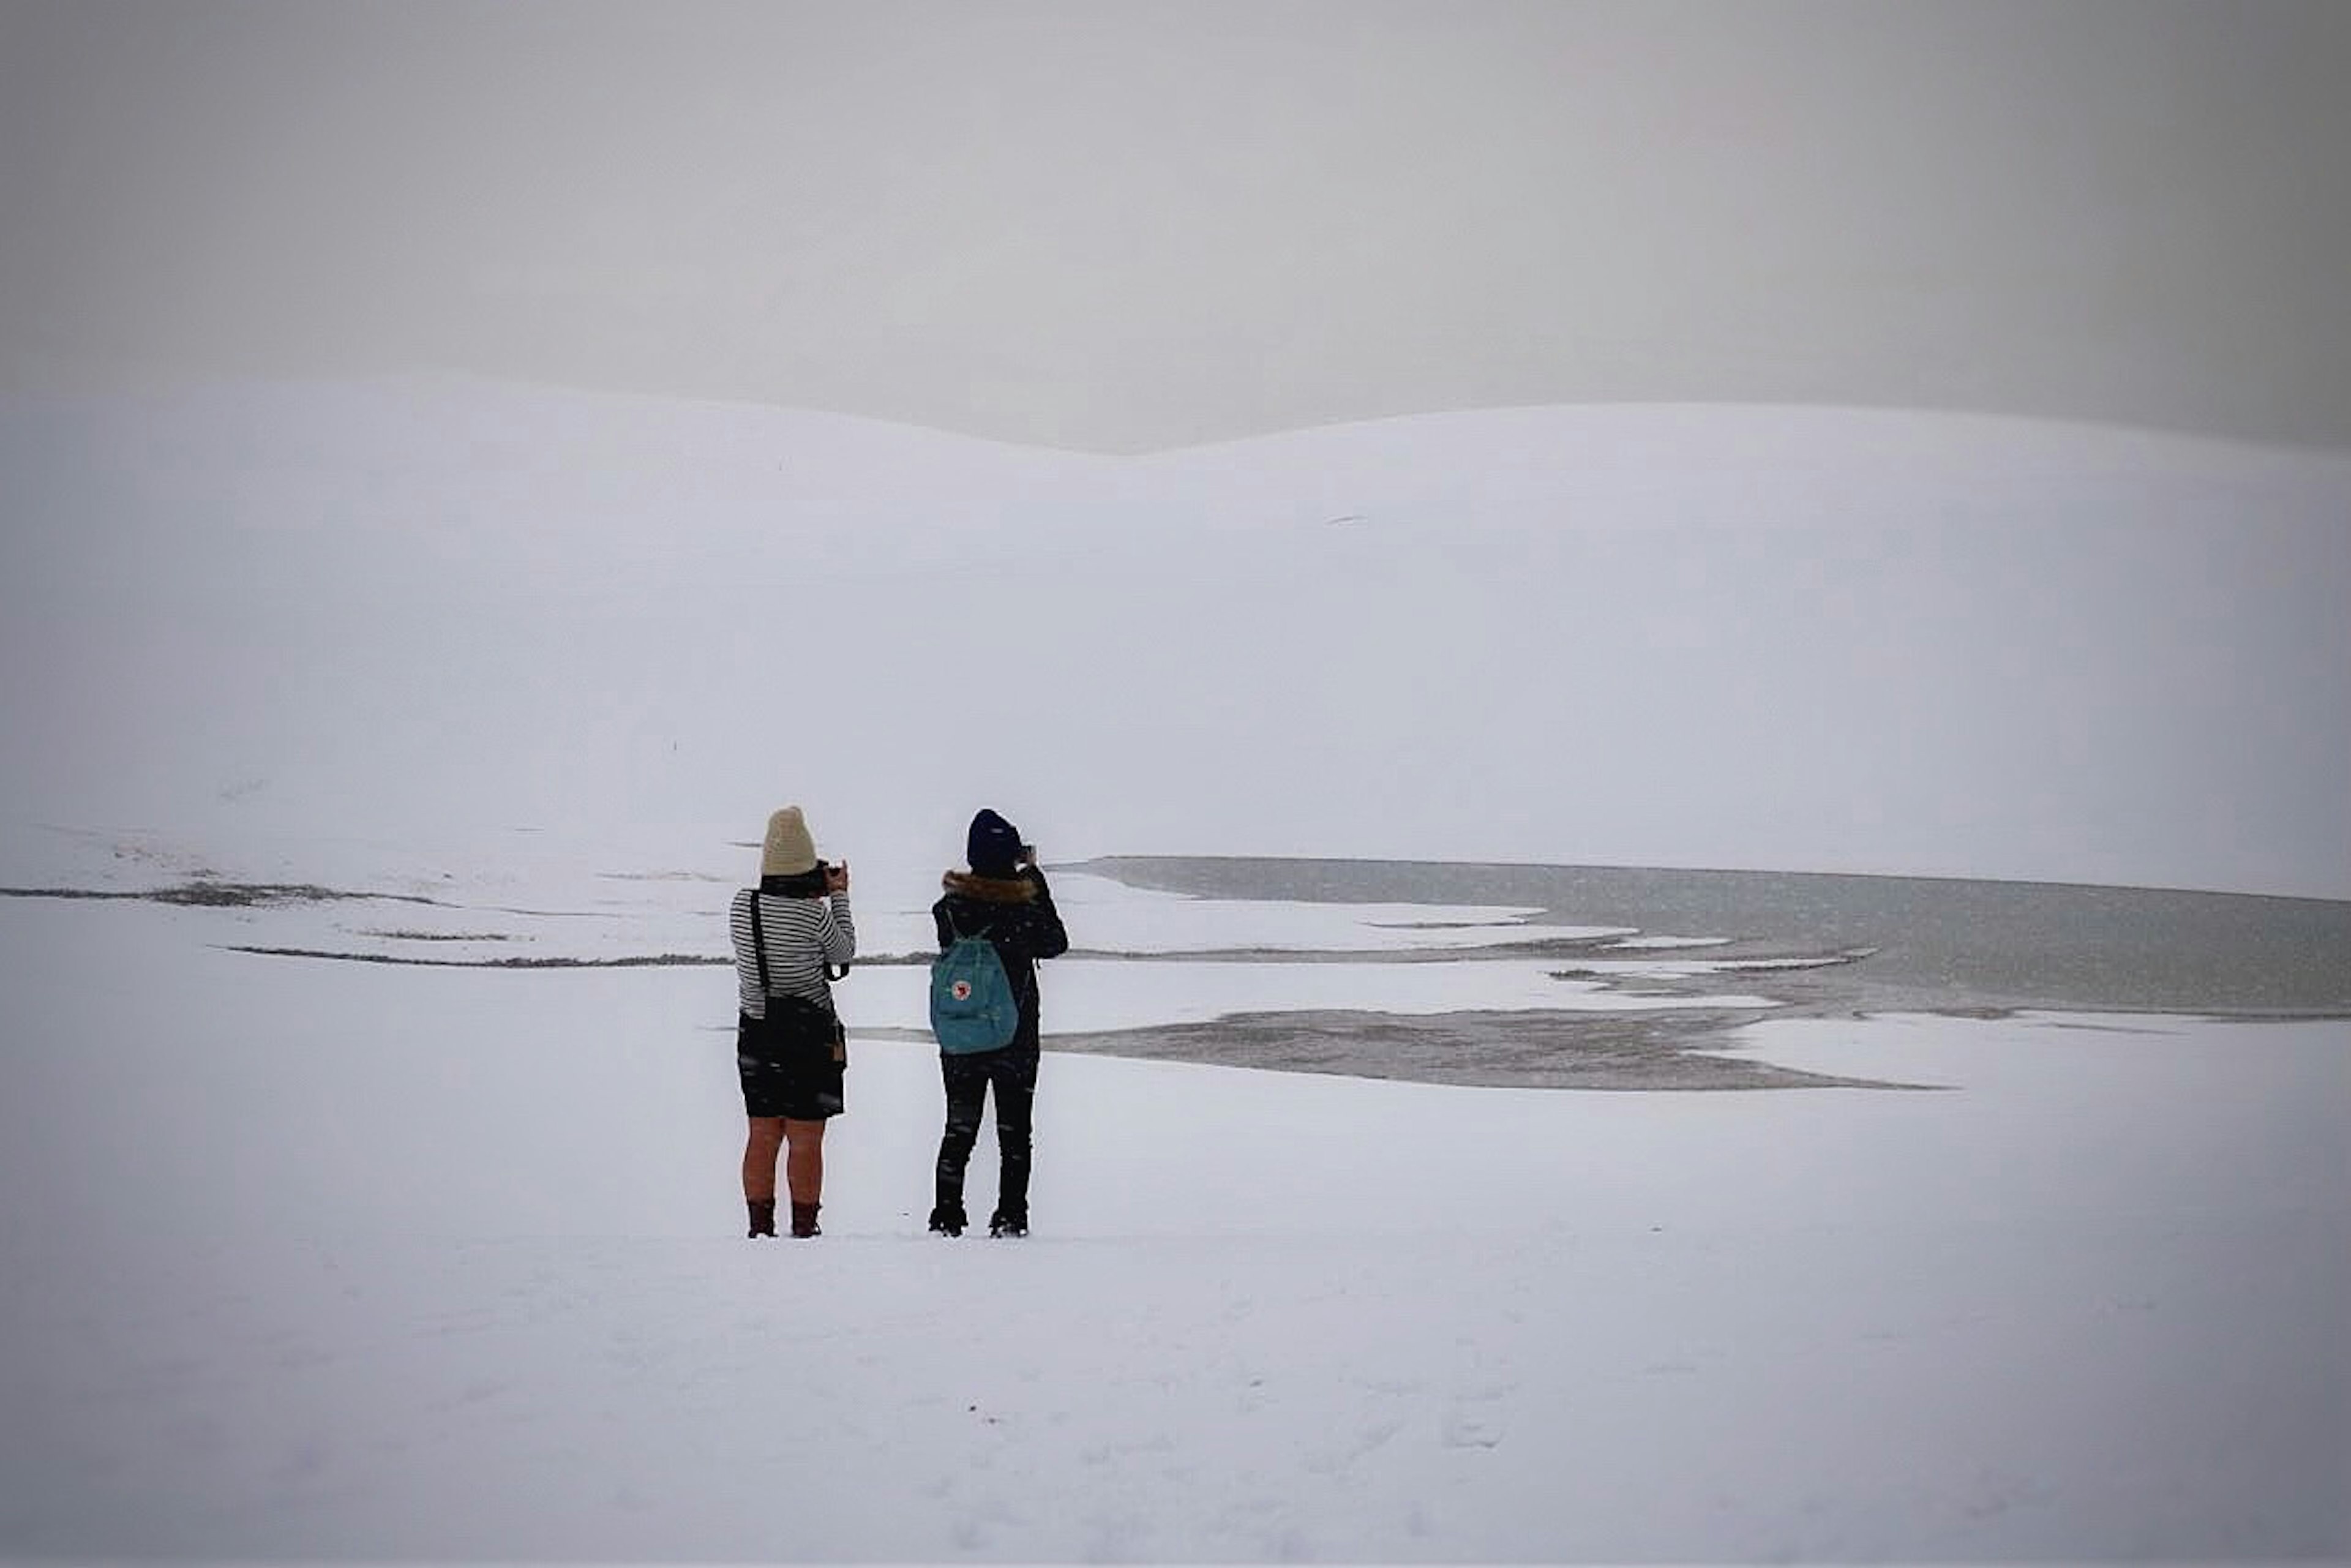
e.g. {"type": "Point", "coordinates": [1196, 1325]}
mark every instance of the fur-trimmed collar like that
{"type": "Point", "coordinates": [991, 889]}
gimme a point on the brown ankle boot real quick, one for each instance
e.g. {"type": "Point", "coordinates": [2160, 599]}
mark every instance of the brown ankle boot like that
{"type": "Point", "coordinates": [804, 1220]}
{"type": "Point", "coordinates": [763, 1216]}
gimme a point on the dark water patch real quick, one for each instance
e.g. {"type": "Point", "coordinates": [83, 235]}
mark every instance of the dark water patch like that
{"type": "Point", "coordinates": [439, 936]}
{"type": "Point", "coordinates": [208, 893]}
{"type": "Point", "coordinates": [412, 960]}
{"type": "Point", "coordinates": [1561, 947]}
{"type": "Point", "coordinates": [1541, 947]}
{"type": "Point", "coordinates": [1943, 945]}
{"type": "Point", "coordinates": [248, 894]}
{"type": "Point", "coordinates": [622, 961]}
{"type": "Point", "coordinates": [1719, 966]}
{"type": "Point", "coordinates": [90, 892]}
{"type": "Point", "coordinates": [1522, 1050]}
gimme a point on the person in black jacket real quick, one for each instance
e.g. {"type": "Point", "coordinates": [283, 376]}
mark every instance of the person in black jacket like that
{"type": "Point", "coordinates": [1005, 897]}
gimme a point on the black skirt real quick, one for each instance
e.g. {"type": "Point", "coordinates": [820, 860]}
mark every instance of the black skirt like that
{"type": "Point", "coordinates": [794, 1062]}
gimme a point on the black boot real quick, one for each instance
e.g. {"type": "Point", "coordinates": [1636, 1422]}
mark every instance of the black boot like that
{"type": "Point", "coordinates": [804, 1220]}
{"type": "Point", "coordinates": [763, 1216]}
{"type": "Point", "coordinates": [1009, 1222]}
{"type": "Point", "coordinates": [947, 1219]}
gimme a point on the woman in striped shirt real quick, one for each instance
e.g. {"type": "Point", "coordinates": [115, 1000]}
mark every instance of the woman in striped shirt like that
{"type": "Point", "coordinates": [793, 937]}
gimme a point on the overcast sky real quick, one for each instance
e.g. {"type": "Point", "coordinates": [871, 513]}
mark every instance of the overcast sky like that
{"type": "Point", "coordinates": [1131, 226]}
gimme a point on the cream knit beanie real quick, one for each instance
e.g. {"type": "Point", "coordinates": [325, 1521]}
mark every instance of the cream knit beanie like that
{"type": "Point", "coordinates": [788, 852]}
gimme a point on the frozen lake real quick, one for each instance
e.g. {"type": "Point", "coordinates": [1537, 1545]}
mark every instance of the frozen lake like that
{"type": "Point", "coordinates": [1806, 944]}
{"type": "Point", "coordinates": [1520, 975]}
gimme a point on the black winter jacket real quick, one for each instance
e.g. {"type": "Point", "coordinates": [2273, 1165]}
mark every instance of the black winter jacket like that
{"type": "Point", "coordinates": [1016, 913]}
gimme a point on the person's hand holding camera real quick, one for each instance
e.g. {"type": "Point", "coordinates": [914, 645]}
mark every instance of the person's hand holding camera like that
{"type": "Point", "coordinates": [836, 878]}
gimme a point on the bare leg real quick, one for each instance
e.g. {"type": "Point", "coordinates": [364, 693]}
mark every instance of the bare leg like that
{"type": "Point", "coordinates": [804, 1166]}
{"type": "Point", "coordinates": [765, 1141]}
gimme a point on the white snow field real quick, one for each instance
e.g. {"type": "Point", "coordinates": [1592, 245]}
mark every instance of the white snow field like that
{"type": "Point", "coordinates": [316, 1261]}
{"type": "Point", "coordinates": [326, 1261]}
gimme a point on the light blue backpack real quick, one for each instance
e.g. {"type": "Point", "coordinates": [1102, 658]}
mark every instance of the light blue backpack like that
{"type": "Point", "coordinates": [972, 1004]}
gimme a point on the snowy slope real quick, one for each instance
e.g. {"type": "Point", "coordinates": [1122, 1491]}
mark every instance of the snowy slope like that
{"type": "Point", "coordinates": [306, 620]}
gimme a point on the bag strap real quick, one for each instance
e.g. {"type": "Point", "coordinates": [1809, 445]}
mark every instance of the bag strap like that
{"type": "Point", "coordinates": [759, 943]}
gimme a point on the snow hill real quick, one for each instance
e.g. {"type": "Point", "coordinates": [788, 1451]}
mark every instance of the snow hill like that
{"type": "Point", "coordinates": [281, 623]}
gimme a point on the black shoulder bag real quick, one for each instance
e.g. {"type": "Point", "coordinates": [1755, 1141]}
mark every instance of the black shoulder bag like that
{"type": "Point", "coordinates": [794, 1022]}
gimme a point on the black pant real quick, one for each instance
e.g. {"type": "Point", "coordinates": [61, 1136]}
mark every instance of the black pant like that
{"type": "Point", "coordinates": [1013, 1072]}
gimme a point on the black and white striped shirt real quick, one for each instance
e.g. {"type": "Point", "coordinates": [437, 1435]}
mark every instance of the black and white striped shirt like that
{"type": "Point", "coordinates": [803, 936]}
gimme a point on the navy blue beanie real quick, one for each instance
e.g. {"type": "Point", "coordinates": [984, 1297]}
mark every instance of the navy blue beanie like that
{"type": "Point", "coordinates": [993, 845]}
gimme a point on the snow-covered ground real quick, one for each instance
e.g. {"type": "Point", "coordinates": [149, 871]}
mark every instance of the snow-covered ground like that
{"type": "Point", "coordinates": [321, 1261]}
{"type": "Point", "coordinates": [325, 1260]}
